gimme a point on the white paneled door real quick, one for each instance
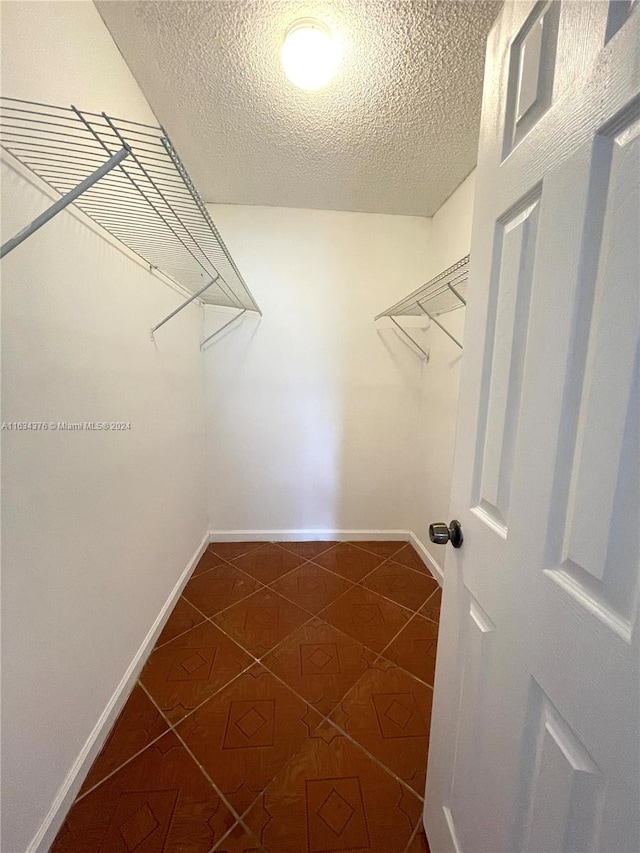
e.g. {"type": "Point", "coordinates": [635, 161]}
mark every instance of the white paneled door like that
{"type": "Point", "coordinates": [535, 741]}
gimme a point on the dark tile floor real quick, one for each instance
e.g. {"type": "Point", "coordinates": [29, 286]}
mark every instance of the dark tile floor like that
{"type": "Point", "coordinates": [285, 709]}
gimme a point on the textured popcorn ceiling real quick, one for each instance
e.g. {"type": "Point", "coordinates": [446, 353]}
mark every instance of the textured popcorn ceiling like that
{"type": "Point", "coordinates": [394, 132]}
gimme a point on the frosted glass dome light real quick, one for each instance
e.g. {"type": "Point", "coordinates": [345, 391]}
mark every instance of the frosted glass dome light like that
{"type": "Point", "coordinates": [309, 55]}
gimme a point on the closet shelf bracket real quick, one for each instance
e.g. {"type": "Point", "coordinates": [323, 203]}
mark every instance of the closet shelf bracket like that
{"type": "Point", "coordinates": [224, 326]}
{"type": "Point", "coordinates": [183, 305]}
{"type": "Point", "coordinates": [61, 203]}
{"type": "Point", "coordinates": [440, 326]}
{"type": "Point", "coordinates": [409, 337]}
{"type": "Point", "coordinates": [441, 295]}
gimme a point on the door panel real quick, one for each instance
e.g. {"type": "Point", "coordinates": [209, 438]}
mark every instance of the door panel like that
{"type": "Point", "coordinates": [594, 527]}
{"type": "Point", "coordinates": [535, 741]}
{"type": "Point", "coordinates": [508, 319]}
{"type": "Point", "coordinates": [562, 787]}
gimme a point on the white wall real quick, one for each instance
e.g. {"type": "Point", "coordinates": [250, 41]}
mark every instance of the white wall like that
{"type": "Point", "coordinates": [97, 526]}
{"type": "Point", "coordinates": [311, 410]}
{"type": "Point", "coordinates": [451, 240]}
{"type": "Point", "coordinates": [317, 417]}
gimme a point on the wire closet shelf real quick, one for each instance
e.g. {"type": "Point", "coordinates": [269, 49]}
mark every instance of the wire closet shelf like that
{"type": "Point", "coordinates": [442, 294]}
{"type": "Point", "coordinates": [138, 190]}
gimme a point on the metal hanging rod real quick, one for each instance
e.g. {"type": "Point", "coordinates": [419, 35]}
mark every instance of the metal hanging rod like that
{"type": "Point", "coordinates": [442, 294]}
{"type": "Point", "coordinates": [142, 195]}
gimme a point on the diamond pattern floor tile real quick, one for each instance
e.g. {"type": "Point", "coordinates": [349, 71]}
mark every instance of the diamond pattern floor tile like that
{"type": "Point", "coordinates": [415, 649]}
{"type": "Point", "coordinates": [219, 588]}
{"type": "Point", "coordinates": [431, 609]}
{"type": "Point", "coordinates": [245, 734]}
{"type": "Point", "coordinates": [320, 663]}
{"type": "Point", "coordinates": [209, 560]}
{"type": "Point", "coordinates": [382, 549]}
{"type": "Point", "coordinates": [240, 840]}
{"type": "Point", "coordinates": [333, 797]}
{"type": "Point", "coordinates": [261, 621]}
{"type": "Point", "coordinates": [308, 550]}
{"type": "Point", "coordinates": [402, 584]}
{"type": "Point", "coordinates": [408, 556]}
{"type": "Point", "coordinates": [350, 562]}
{"type": "Point", "coordinates": [365, 658]}
{"type": "Point", "coordinates": [231, 550]}
{"type": "Point", "coordinates": [388, 712]}
{"type": "Point", "coordinates": [183, 673]}
{"type": "Point", "coordinates": [367, 617]}
{"type": "Point", "coordinates": [138, 725]}
{"type": "Point", "coordinates": [419, 843]}
{"type": "Point", "coordinates": [183, 617]}
{"type": "Point", "coordinates": [160, 801]}
{"type": "Point", "coordinates": [311, 587]}
{"type": "Point", "coordinates": [268, 563]}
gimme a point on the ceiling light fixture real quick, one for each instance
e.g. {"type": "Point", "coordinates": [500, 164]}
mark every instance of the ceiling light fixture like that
{"type": "Point", "coordinates": [310, 54]}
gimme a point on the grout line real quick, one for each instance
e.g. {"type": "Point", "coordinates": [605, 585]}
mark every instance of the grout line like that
{"type": "Point", "coordinates": [273, 648]}
{"type": "Point", "coordinates": [373, 591]}
{"type": "Point", "coordinates": [323, 718]}
{"type": "Point", "coordinates": [374, 759]}
{"type": "Point", "coordinates": [330, 545]}
{"type": "Point", "coordinates": [197, 763]}
{"type": "Point", "coordinates": [204, 616]}
{"type": "Point", "coordinates": [359, 583]}
{"type": "Point", "coordinates": [381, 655]}
{"type": "Point", "coordinates": [419, 828]}
{"type": "Point", "coordinates": [305, 561]}
{"type": "Point", "coordinates": [312, 616]}
{"type": "Point", "coordinates": [325, 621]}
{"type": "Point", "coordinates": [81, 796]}
{"type": "Point", "coordinates": [259, 660]}
{"type": "Point", "coordinates": [217, 844]}
{"type": "Point", "coordinates": [425, 571]}
{"type": "Point", "coordinates": [254, 660]}
{"type": "Point", "coordinates": [435, 591]}
{"type": "Point", "coordinates": [401, 544]}
{"type": "Point", "coordinates": [413, 835]}
{"type": "Point", "coordinates": [244, 826]}
{"type": "Point", "coordinates": [256, 545]}
{"type": "Point", "coordinates": [270, 588]}
{"type": "Point", "coordinates": [406, 671]}
{"type": "Point", "coordinates": [261, 586]}
{"type": "Point", "coordinates": [292, 758]}
{"type": "Point", "coordinates": [273, 591]}
{"type": "Point", "coordinates": [326, 717]}
{"type": "Point", "coordinates": [170, 725]}
{"type": "Point", "coordinates": [182, 633]}
{"type": "Point", "coordinates": [395, 636]}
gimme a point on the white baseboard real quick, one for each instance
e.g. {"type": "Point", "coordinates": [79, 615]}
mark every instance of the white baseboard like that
{"type": "Point", "coordinates": [68, 791]}
{"type": "Point", "coordinates": [309, 535]}
{"type": "Point", "coordinates": [427, 558]}
{"type": "Point", "coordinates": [331, 535]}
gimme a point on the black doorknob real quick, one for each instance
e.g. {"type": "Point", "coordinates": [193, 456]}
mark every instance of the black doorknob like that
{"type": "Point", "coordinates": [441, 534]}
